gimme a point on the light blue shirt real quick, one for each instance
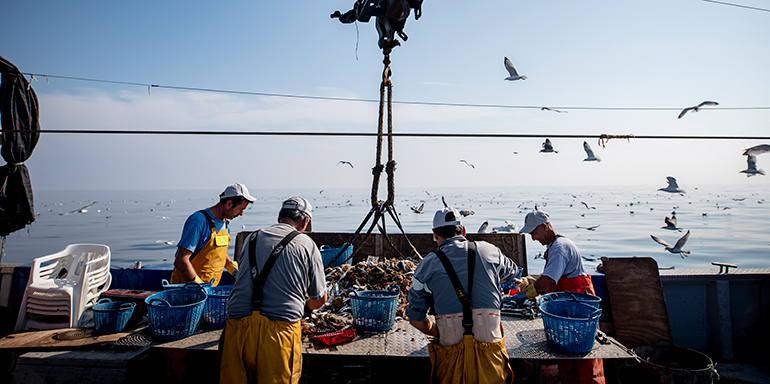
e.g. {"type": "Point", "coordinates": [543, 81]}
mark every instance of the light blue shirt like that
{"type": "Point", "coordinates": [491, 267]}
{"type": "Point", "coordinates": [563, 260]}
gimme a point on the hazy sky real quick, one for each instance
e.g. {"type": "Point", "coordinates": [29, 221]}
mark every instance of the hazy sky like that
{"type": "Point", "coordinates": [650, 54]}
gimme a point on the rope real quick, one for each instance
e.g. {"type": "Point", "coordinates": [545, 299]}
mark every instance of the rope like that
{"type": "Point", "coordinates": [368, 134]}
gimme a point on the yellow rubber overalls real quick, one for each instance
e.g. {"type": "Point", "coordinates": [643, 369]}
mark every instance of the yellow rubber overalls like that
{"type": "Point", "coordinates": [210, 261]}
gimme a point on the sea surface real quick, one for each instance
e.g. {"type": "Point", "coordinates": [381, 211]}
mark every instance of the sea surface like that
{"type": "Point", "coordinates": [727, 223]}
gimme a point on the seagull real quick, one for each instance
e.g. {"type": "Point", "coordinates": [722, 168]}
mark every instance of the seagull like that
{"type": "Point", "coordinates": [590, 153]}
{"type": "Point", "coordinates": [671, 223]}
{"type": "Point", "coordinates": [468, 164]}
{"type": "Point", "coordinates": [548, 147]}
{"type": "Point", "coordinates": [418, 210]}
{"type": "Point", "coordinates": [79, 210]}
{"type": "Point", "coordinates": [508, 227]}
{"type": "Point", "coordinates": [752, 170]}
{"type": "Point", "coordinates": [591, 228]}
{"type": "Point", "coordinates": [427, 193]}
{"type": "Point", "coordinates": [483, 227]}
{"type": "Point", "coordinates": [586, 205]}
{"type": "Point", "coordinates": [696, 108]}
{"type": "Point", "coordinates": [672, 187]}
{"type": "Point", "coordinates": [552, 110]}
{"type": "Point", "coordinates": [467, 212]}
{"type": "Point", "coordinates": [345, 162]}
{"type": "Point", "coordinates": [757, 150]}
{"type": "Point", "coordinates": [512, 71]}
{"type": "Point", "coordinates": [675, 248]}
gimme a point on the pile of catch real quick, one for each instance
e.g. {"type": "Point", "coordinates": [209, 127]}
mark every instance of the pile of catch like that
{"type": "Point", "coordinates": [371, 275]}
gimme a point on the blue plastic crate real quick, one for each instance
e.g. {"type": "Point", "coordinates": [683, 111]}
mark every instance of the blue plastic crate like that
{"type": "Point", "coordinates": [570, 325]}
{"type": "Point", "coordinates": [584, 298]}
{"type": "Point", "coordinates": [215, 309]}
{"type": "Point", "coordinates": [328, 253]}
{"type": "Point", "coordinates": [375, 310]}
{"type": "Point", "coordinates": [112, 316]}
{"type": "Point", "coordinates": [176, 313]}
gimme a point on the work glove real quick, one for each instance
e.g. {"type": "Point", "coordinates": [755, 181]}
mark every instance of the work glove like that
{"type": "Point", "coordinates": [531, 292]}
{"type": "Point", "coordinates": [198, 279]}
{"type": "Point", "coordinates": [524, 282]}
{"type": "Point", "coordinates": [231, 266]}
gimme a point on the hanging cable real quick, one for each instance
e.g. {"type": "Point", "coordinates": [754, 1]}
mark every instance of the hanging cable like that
{"type": "Point", "coordinates": [428, 103]}
{"type": "Point", "coordinates": [369, 134]}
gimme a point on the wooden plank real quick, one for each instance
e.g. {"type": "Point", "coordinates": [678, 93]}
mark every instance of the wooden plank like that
{"type": "Point", "coordinates": [45, 340]}
{"type": "Point", "coordinates": [512, 244]}
{"type": "Point", "coordinates": [636, 300]}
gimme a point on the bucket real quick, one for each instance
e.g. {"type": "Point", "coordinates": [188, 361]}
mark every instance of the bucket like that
{"type": "Point", "coordinates": [663, 362]}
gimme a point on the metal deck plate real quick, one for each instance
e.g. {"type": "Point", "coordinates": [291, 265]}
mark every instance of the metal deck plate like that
{"type": "Point", "coordinates": [524, 339]}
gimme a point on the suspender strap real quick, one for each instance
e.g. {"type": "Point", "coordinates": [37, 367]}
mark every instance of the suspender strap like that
{"type": "Point", "coordinates": [258, 279]}
{"type": "Point", "coordinates": [465, 299]}
{"type": "Point", "coordinates": [212, 223]}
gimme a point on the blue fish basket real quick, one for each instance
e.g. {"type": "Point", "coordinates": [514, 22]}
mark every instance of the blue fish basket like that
{"type": "Point", "coordinates": [176, 313]}
{"type": "Point", "coordinates": [584, 298]}
{"type": "Point", "coordinates": [215, 309]}
{"type": "Point", "coordinates": [375, 311]}
{"type": "Point", "coordinates": [328, 253]}
{"type": "Point", "coordinates": [112, 316]}
{"type": "Point", "coordinates": [569, 325]}
{"type": "Point", "coordinates": [166, 285]}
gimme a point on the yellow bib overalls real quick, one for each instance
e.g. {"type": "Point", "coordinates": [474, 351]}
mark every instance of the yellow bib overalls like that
{"type": "Point", "coordinates": [210, 261]}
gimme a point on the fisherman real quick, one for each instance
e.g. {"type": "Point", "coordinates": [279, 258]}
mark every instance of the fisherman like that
{"type": "Point", "coordinates": [282, 274]}
{"type": "Point", "coordinates": [467, 311]}
{"type": "Point", "coordinates": [201, 253]}
{"type": "Point", "coordinates": [564, 272]}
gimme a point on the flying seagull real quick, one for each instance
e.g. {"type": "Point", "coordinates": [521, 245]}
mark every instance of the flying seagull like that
{"type": "Point", "coordinates": [345, 162]}
{"type": "Point", "coordinates": [548, 147]}
{"type": "Point", "coordinates": [483, 227]}
{"type": "Point", "coordinates": [757, 150]}
{"type": "Point", "coordinates": [586, 205]}
{"type": "Point", "coordinates": [591, 228]}
{"type": "Point", "coordinates": [752, 169]}
{"type": "Point", "coordinates": [418, 210]}
{"type": "Point", "coordinates": [512, 71]}
{"type": "Point", "coordinates": [468, 164]}
{"type": "Point", "coordinates": [671, 223]}
{"type": "Point", "coordinates": [675, 248]}
{"type": "Point", "coordinates": [672, 187]}
{"type": "Point", "coordinates": [79, 210]}
{"type": "Point", "coordinates": [696, 108]}
{"type": "Point", "coordinates": [590, 153]}
{"type": "Point", "coordinates": [552, 110]}
{"type": "Point", "coordinates": [466, 212]}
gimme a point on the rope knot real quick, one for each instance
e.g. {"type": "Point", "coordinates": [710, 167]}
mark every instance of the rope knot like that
{"type": "Point", "coordinates": [377, 169]}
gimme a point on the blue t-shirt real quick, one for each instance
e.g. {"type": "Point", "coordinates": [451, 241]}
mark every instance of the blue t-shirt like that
{"type": "Point", "coordinates": [491, 267]}
{"type": "Point", "coordinates": [197, 232]}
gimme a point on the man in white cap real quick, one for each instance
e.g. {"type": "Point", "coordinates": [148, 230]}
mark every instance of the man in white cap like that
{"type": "Point", "coordinates": [564, 272]}
{"type": "Point", "coordinates": [467, 310]}
{"type": "Point", "coordinates": [282, 272]}
{"type": "Point", "coordinates": [201, 253]}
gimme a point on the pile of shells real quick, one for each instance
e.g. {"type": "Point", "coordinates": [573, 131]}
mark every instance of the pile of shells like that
{"type": "Point", "coordinates": [371, 275]}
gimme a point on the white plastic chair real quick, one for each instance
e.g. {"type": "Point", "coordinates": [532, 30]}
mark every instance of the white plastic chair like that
{"type": "Point", "coordinates": [63, 285]}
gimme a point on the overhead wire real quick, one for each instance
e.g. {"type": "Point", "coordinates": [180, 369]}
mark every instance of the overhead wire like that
{"type": "Point", "coordinates": [394, 134]}
{"type": "Point", "coordinates": [737, 5]}
{"type": "Point", "coordinates": [350, 99]}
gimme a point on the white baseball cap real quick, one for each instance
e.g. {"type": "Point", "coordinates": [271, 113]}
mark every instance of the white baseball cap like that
{"type": "Point", "coordinates": [237, 190]}
{"type": "Point", "coordinates": [300, 204]}
{"type": "Point", "coordinates": [534, 219]}
{"type": "Point", "coordinates": [446, 216]}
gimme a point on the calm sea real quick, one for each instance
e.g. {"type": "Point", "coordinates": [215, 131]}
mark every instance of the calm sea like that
{"type": "Point", "coordinates": [727, 224]}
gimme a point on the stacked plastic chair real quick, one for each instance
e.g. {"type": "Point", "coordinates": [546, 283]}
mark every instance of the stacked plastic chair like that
{"type": "Point", "coordinates": [63, 285]}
